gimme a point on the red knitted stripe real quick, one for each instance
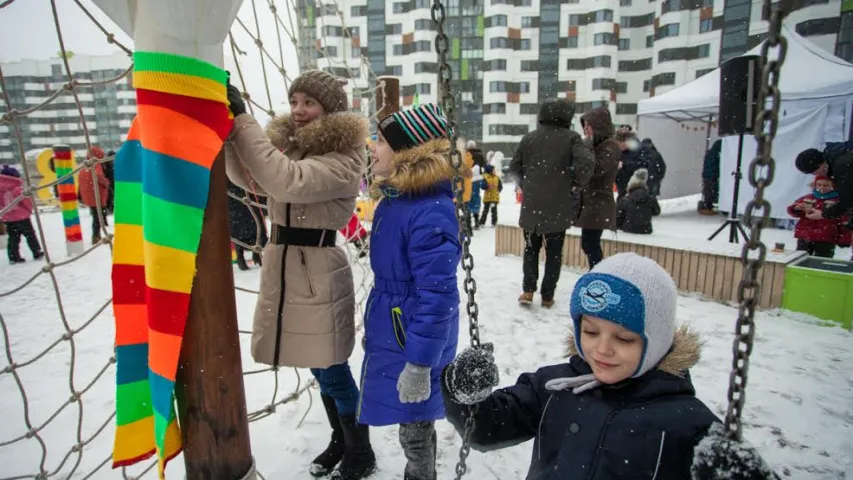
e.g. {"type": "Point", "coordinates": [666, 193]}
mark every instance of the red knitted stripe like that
{"type": "Point", "coordinates": [128, 284]}
{"type": "Point", "coordinates": [207, 112]}
{"type": "Point", "coordinates": [167, 311]}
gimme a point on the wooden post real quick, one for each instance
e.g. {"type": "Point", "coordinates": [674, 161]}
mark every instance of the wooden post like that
{"type": "Point", "coordinates": [211, 398]}
{"type": "Point", "coordinates": [387, 96]}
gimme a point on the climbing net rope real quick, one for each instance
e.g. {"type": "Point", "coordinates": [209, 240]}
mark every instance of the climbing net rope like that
{"type": "Point", "coordinates": [40, 424]}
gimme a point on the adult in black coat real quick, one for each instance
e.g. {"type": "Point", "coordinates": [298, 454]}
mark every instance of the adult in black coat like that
{"type": "Point", "coordinates": [655, 164]}
{"type": "Point", "coordinates": [548, 163]}
{"type": "Point", "coordinates": [635, 210]}
{"type": "Point", "coordinates": [243, 226]}
{"type": "Point", "coordinates": [630, 163]}
{"type": "Point", "coordinates": [839, 170]}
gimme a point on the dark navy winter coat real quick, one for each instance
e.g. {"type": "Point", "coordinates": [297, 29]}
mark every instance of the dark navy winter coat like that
{"type": "Point", "coordinates": [412, 312]}
{"type": "Point", "coordinates": [644, 428]}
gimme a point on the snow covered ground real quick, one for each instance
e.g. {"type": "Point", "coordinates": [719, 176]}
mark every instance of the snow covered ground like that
{"type": "Point", "coordinates": [799, 409]}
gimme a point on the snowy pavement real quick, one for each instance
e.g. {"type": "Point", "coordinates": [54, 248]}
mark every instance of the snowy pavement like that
{"type": "Point", "coordinates": [799, 409]}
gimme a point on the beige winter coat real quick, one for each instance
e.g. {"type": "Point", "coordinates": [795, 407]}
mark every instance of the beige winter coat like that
{"type": "Point", "coordinates": [315, 179]}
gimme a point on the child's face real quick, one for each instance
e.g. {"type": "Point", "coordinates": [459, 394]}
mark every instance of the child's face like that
{"type": "Point", "coordinates": [612, 351]}
{"type": "Point", "coordinates": [382, 154]}
{"type": "Point", "coordinates": [823, 186]}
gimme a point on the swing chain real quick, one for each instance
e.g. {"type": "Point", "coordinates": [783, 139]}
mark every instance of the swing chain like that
{"type": "Point", "coordinates": [757, 213]}
{"type": "Point", "coordinates": [448, 104]}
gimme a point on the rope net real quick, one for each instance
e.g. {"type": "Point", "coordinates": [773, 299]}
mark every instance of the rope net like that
{"type": "Point", "coordinates": [85, 452]}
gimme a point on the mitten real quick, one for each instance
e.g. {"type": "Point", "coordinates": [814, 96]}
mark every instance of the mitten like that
{"type": "Point", "coordinates": [719, 458]}
{"type": "Point", "coordinates": [471, 377]}
{"type": "Point", "coordinates": [414, 384]}
{"type": "Point", "coordinates": [235, 101]}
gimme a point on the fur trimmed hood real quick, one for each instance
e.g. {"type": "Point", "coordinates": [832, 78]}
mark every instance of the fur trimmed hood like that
{"type": "Point", "coordinates": [336, 132]}
{"type": "Point", "coordinates": [683, 355]}
{"type": "Point", "coordinates": [416, 170]}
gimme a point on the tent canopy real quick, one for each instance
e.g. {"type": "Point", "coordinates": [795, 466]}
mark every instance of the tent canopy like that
{"type": "Point", "coordinates": [808, 73]}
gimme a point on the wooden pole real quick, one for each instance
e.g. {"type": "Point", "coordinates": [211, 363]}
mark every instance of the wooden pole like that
{"type": "Point", "coordinates": [387, 96]}
{"type": "Point", "coordinates": [211, 398]}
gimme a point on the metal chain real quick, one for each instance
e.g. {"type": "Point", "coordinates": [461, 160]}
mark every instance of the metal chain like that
{"type": "Point", "coordinates": [448, 104]}
{"type": "Point", "coordinates": [756, 216]}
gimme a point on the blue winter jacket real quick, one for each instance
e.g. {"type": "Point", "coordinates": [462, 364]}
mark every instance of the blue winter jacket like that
{"type": "Point", "coordinates": [412, 312]}
{"type": "Point", "coordinates": [643, 428]}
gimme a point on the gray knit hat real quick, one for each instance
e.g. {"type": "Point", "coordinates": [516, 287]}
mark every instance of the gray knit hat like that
{"type": "Point", "coordinates": [323, 87]}
{"type": "Point", "coordinates": [634, 292]}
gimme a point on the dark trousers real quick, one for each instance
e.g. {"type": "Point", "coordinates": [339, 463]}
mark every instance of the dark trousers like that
{"type": "Point", "coordinates": [553, 262]}
{"type": "Point", "coordinates": [710, 193]}
{"type": "Point", "coordinates": [591, 245]}
{"type": "Point", "coordinates": [337, 382]}
{"type": "Point", "coordinates": [17, 229]}
{"type": "Point", "coordinates": [486, 207]}
{"type": "Point", "coordinates": [96, 221]}
{"type": "Point", "coordinates": [816, 249]}
{"type": "Point", "coordinates": [419, 446]}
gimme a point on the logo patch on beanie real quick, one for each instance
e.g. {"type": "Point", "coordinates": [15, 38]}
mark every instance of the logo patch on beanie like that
{"type": "Point", "coordinates": [596, 296]}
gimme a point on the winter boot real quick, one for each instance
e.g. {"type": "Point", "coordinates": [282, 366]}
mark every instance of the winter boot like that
{"type": "Point", "coordinates": [37, 255]}
{"type": "Point", "coordinates": [256, 257]}
{"type": "Point", "coordinates": [96, 239]}
{"type": "Point", "coordinates": [241, 262]}
{"type": "Point", "coordinates": [359, 460]}
{"type": "Point", "coordinates": [15, 260]}
{"type": "Point", "coordinates": [326, 461]}
{"type": "Point", "coordinates": [525, 299]}
{"type": "Point", "coordinates": [547, 302]}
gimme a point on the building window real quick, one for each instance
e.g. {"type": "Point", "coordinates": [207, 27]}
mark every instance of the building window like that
{"type": "Point", "coordinates": [603, 83]}
{"type": "Point", "coordinates": [528, 22]}
{"type": "Point", "coordinates": [601, 62]}
{"type": "Point", "coordinates": [650, 41]}
{"type": "Point", "coordinates": [621, 87]}
{"type": "Point", "coordinates": [496, 65]}
{"type": "Point", "coordinates": [635, 65]}
{"type": "Point", "coordinates": [426, 67]}
{"type": "Point", "coordinates": [401, 7]}
{"type": "Point", "coordinates": [524, 44]}
{"type": "Point", "coordinates": [358, 11]}
{"type": "Point", "coordinates": [424, 24]}
{"type": "Point", "coordinates": [497, 21]}
{"type": "Point", "coordinates": [574, 20]}
{"type": "Point", "coordinates": [704, 51]}
{"type": "Point", "coordinates": [626, 109]}
{"type": "Point", "coordinates": [395, 70]}
{"type": "Point", "coordinates": [499, 42]}
{"type": "Point", "coordinates": [494, 108]}
{"type": "Point", "coordinates": [394, 29]}
{"type": "Point", "coordinates": [514, 130]}
{"type": "Point", "coordinates": [602, 16]}
{"type": "Point", "coordinates": [497, 87]}
{"type": "Point", "coordinates": [703, 71]}
{"type": "Point", "coordinates": [663, 79]}
{"type": "Point", "coordinates": [572, 42]}
{"type": "Point", "coordinates": [706, 25]}
{"type": "Point", "coordinates": [624, 44]}
{"type": "Point", "coordinates": [624, 3]}
{"type": "Point", "coordinates": [607, 38]}
{"type": "Point", "coordinates": [669, 30]}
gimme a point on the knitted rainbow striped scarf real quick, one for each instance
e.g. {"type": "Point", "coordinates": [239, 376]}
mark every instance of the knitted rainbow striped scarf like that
{"type": "Point", "coordinates": [63, 162]}
{"type": "Point", "coordinates": [162, 181]}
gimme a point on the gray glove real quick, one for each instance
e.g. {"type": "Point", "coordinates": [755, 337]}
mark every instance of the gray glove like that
{"type": "Point", "coordinates": [414, 384]}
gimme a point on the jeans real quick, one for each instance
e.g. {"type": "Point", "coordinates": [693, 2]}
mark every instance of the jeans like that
{"type": "Point", "coordinates": [553, 262]}
{"type": "Point", "coordinates": [816, 249]}
{"type": "Point", "coordinates": [591, 246]}
{"type": "Point", "coordinates": [419, 444]}
{"type": "Point", "coordinates": [337, 382]}
{"type": "Point", "coordinates": [16, 230]}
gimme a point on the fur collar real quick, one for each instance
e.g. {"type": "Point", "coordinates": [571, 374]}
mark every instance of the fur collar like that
{"type": "Point", "coordinates": [416, 170]}
{"type": "Point", "coordinates": [336, 132]}
{"type": "Point", "coordinates": [683, 355]}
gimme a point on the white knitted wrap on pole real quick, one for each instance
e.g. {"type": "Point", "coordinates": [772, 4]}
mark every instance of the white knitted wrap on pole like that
{"type": "Point", "coordinates": [191, 28]}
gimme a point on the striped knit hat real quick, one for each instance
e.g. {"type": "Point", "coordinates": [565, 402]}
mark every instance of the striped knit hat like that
{"type": "Point", "coordinates": [409, 128]}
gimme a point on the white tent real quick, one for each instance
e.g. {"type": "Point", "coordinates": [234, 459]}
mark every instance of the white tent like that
{"type": "Point", "coordinates": [817, 103]}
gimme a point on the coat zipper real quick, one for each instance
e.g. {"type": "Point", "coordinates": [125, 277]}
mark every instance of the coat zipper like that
{"type": "Point", "coordinates": [307, 273]}
{"type": "Point", "coordinates": [278, 321]}
{"type": "Point", "coordinates": [600, 438]}
{"type": "Point", "coordinates": [399, 330]}
{"type": "Point", "coordinates": [541, 420]}
{"type": "Point", "coordinates": [361, 387]}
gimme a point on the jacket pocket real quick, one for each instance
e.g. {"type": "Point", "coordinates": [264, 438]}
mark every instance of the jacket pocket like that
{"type": "Point", "coordinates": [399, 329]}
{"type": "Point", "coordinates": [307, 273]}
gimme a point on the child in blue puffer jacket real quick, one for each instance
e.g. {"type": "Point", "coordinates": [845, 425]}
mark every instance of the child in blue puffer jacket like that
{"type": "Point", "coordinates": [412, 314]}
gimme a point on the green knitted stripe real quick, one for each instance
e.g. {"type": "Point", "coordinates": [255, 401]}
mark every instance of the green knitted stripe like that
{"type": "Point", "coordinates": [168, 63]}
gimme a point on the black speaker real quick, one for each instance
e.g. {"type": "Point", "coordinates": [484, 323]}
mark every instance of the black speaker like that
{"type": "Point", "coordinates": [740, 81]}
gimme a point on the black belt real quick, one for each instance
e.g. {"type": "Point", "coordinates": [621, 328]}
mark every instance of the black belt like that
{"type": "Point", "coordinates": [303, 237]}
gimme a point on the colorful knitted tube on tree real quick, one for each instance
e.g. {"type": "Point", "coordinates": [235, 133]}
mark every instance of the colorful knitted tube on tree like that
{"type": "Point", "coordinates": [162, 181]}
{"type": "Point", "coordinates": [63, 162]}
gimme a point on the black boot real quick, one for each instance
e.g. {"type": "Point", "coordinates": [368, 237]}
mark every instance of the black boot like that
{"type": "Point", "coordinates": [241, 259]}
{"type": "Point", "coordinates": [359, 460]}
{"type": "Point", "coordinates": [326, 461]}
{"type": "Point", "coordinates": [256, 257]}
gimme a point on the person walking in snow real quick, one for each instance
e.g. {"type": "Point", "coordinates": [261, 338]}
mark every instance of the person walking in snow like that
{"type": "Point", "coordinates": [598, 208]}
{"type": "Point", "coordinates": [17, 219]}
{"type": "Point", "coordinates": [493, 186]}
{"type": "Point", "coordinates": [412, 316]}
{"type": "Point", "coordinates": [309, 166]}
{"type": "Point", "coordinates": [635, 210]}
{"type": "Point", "coordinates": [477, 165]}
{"type": "Point", "coordinates": [630, 162]}
{"type": "Point", "coordinates": [244, 226]}
{"type": "Point", "coordinates": [548, 164]}
{"type": "Point", "coordinates": [89, 179]}
{"type": "Point", "coordinates": [711, 178]}
{"type": "Point", "coordinates": [817, 236]}
{"type": "Point", "coordinates": [623, 406]}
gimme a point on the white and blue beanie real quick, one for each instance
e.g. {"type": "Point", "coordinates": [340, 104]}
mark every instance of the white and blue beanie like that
{"type": "Point", "coordinates": [634, 292]}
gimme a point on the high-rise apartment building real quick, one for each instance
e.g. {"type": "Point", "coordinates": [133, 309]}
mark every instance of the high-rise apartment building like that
{"type": "Point", "coordinates": [510, 55]}
{"type": "Point", "coordinates": [108, 108]}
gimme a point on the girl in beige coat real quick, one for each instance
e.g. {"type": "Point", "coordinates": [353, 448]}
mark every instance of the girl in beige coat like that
{"type": "Point", "coordinates": [309, 166]}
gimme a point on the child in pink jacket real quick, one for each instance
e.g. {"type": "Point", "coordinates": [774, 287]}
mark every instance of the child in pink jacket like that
{"type": "Point", "coordinates": [17, 219]}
